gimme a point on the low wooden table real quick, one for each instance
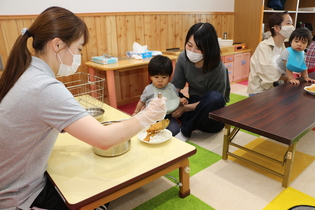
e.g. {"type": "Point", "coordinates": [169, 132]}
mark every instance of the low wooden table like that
{"type": "Point", "coordinates": [284, 114]}
{"type": "Point", "coordinates": [122, 64]}
{"type": "Point", "coordinates": [86, 180]}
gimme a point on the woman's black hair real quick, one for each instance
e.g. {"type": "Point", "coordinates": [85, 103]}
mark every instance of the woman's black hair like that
{"type": "Point", "coordinates": [302, 34]}
{"type": "Point", "coordinates": [160, 65]}
{"type": "Point", "coordinates": [206, 39]}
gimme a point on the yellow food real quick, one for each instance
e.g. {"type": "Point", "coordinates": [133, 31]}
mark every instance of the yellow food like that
{"type": "Point", "coordinates": [311, 88]}
{"type": "Point", "coordinates": [159, 125]}
{"type": "Point", "coordinates": [156, 128]}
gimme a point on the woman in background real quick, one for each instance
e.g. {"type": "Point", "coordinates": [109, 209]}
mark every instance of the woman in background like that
{"type": "Point", "coordinates": [310, 56]}
{"type": "Point", "coordinates": [264, 73]}
{"type": "Point", "coordinates": [35, 107]}
{"type": "Point", "coordinates": [201, 67]}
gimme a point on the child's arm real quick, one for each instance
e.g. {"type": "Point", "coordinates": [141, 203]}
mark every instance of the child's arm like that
{"type": "Point", "coordinates": [290, 76]}
{"type": "Point", "coordinates": [139, 107]}
{"type": "Point", "coordinates": [305, 76]}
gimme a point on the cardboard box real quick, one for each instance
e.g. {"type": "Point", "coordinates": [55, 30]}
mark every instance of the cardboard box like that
{"type": "Point", "coordinates": [104, 60]}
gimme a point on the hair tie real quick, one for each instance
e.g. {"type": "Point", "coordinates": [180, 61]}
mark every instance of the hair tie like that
{"type": "Point", "coordinates": [25, 31]}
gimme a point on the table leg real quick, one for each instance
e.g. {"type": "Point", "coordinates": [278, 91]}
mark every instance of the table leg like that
{"type": "Point", "coordinates": [227, 131]}
{"type": "Point", "coordinates": [184, 175]}
{"type": "Point", "coordinates": [288, 165]}
{"type": "Point", "coordinates": [111, 88]}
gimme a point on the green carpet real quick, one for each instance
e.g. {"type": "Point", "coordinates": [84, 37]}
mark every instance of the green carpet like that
{"type": "Point", "coordinates": [201, 160]}
{"type": "Point", "coordinates": [170, 200]}
{"type": "Point", "coordinates": [235, 98]}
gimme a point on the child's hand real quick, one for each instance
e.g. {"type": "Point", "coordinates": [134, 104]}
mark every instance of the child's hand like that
{"type": "Point", "coordinates": [294, 81]}
{"type": "Point", "coordinates": [309, 80]}
{"type": "Point", "coordinates": [179, 111]}
{"type": "Point", "coordinates": [183, 101]}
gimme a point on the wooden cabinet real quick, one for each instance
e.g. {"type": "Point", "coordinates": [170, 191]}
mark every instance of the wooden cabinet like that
{"type": "Point", "coordinates": [237, 65]}
{"type": "Point", "coordinates": [230, 67]}
{"type": "Point", "coordinates": [228, 60]}
{"type": "Point", "coordinates": [250, 15]}
{"type": "Point", "coordinates": [241, 66]}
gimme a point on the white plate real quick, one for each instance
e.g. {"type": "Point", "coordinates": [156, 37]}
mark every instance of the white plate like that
{"type": "Point", "coordinates": [310, 92]}
{"type": "Point", "coordinates": [166, 135]}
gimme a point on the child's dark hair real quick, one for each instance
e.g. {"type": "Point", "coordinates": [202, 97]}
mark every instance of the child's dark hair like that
{"type": "Point", "coordinates": [301, 34]}
{"type": "Point", "coordinates": [160, 65]}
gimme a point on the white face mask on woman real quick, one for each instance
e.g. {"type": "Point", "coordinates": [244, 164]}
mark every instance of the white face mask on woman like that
{"type": "Point", "coordinates": [286, 31]}
{"type": "Point", "coordinates": [194, 57]}
{"type": "Point", "coordinates": [65, 70]}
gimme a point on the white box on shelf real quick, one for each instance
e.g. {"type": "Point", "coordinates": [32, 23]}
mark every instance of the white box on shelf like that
{"type": "Point", "coordinates": [225, 42]}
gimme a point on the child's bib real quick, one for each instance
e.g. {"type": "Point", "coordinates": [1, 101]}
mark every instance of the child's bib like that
{"type": "Point", "coordinates": [172, 98]}
{"type": "Point", "coordinates": [295, 61]}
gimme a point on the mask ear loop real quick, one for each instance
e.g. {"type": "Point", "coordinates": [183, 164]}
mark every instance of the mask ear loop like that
{"type": "Point", "coordinates": [59, 58]}
{"type": "Point", "coordinates": [69, 50]}
{"type": "Point", "coordinates": [59, 55]}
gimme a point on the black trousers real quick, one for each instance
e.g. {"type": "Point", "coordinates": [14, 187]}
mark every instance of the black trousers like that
{"type": "Point", "coordinates": [49, 198]}
{"type": "Point", "coordinates": [199, 118]}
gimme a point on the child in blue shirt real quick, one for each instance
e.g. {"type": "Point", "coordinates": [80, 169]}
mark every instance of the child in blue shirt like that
{"type": "Point", "coordinates": [293, 59]}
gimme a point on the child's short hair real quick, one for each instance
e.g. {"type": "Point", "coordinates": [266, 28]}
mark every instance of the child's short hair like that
{"type": "Point", "coordinates": [301, 34]}
{"type": "Point", "coordinates": [160, 65]}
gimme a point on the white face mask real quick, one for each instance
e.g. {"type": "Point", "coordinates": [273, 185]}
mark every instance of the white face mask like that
{"type": "Point", "coordinates": [65, 70]}
{"type": "Point", "coordinates": [194, 57]}
{"type": "Point", "coordinates": [286, 31]}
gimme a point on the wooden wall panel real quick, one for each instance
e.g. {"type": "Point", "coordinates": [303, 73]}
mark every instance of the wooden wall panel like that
{"type": "Point", "coordinates": [114, 34]}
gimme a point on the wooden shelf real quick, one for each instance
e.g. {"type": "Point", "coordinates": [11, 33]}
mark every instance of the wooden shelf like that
{"type": "Point", "coordinates": [256, 14]}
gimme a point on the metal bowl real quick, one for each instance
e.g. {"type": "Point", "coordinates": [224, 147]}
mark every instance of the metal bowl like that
{"type": "Point", "coordinates": [115, 150]}
{"type": "Point", "coordinates": [95, 112]}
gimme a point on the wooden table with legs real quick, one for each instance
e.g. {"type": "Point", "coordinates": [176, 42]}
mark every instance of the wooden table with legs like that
{"type": "Point", "coordinates": [122, 64]}
{"type": "Point", "coordinates": [86, 180]}
{"type": "Point", "coordinates": [283, 114]}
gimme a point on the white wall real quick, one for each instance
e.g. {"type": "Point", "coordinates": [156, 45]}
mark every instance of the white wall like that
{"type": "Point", "coordinates": [25, 7]}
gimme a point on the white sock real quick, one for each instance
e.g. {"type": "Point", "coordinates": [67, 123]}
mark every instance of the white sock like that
{"type": "Point", "coordinates": [181, 136]}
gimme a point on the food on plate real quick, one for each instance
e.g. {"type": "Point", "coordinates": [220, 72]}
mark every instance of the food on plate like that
{"type": "Point", "coordinates": [156, 128]}
{"type": "Point", "coordinates": [311, 88]}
